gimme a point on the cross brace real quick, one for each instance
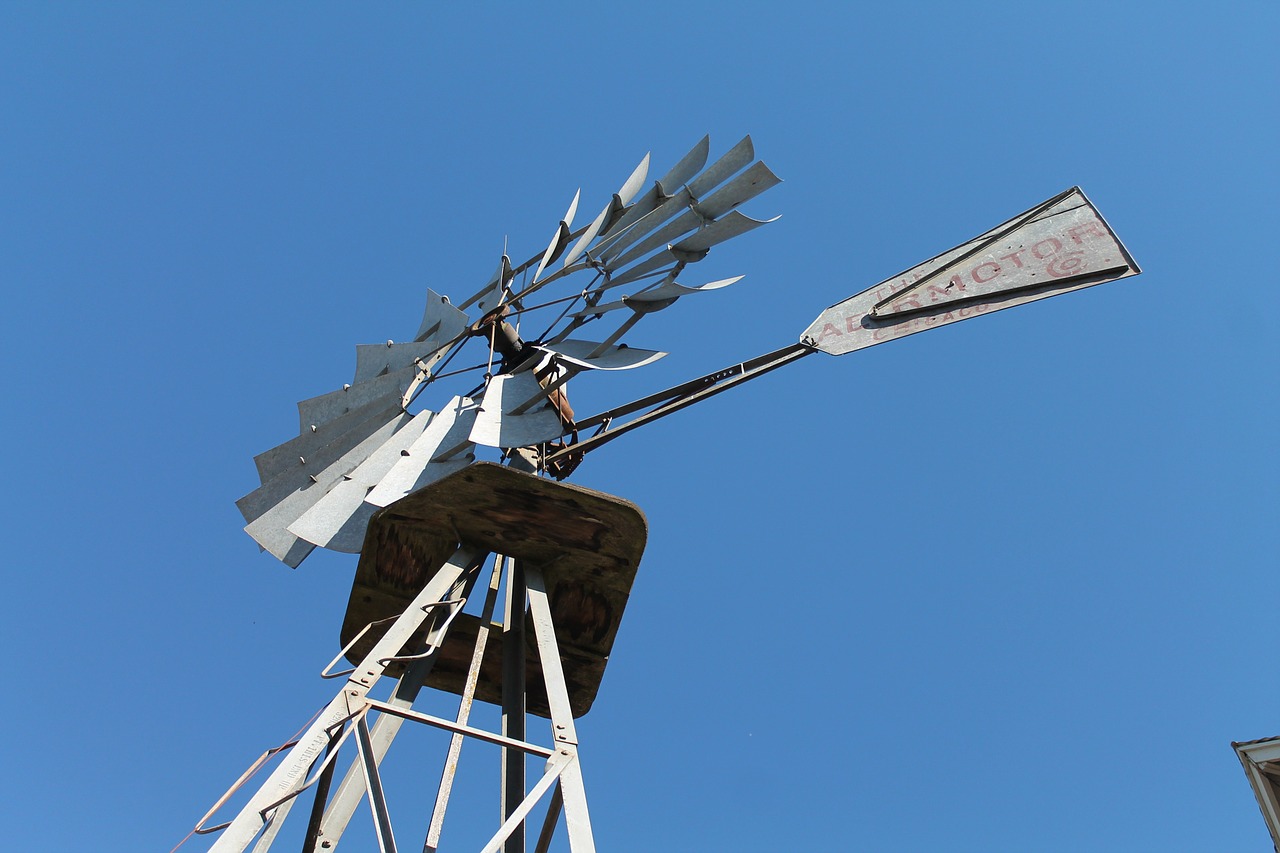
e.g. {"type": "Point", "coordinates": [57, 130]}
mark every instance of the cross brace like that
{"type": "Point", "coordinates": [309, 761]}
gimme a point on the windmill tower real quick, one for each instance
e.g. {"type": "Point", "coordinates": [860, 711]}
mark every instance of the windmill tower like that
{"type": "Point", "coordinates": [443, 534]}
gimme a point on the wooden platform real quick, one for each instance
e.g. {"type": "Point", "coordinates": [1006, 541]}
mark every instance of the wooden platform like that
{"type": "Point", "coordinates": [587, 543]}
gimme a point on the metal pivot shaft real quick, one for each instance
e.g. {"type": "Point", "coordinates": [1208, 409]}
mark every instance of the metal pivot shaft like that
{"type": "Point", "coordinates": [674, 399]}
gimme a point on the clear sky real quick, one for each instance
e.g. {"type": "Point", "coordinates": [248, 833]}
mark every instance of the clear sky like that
{"type": "Point", "coordinates": [1005, 586]}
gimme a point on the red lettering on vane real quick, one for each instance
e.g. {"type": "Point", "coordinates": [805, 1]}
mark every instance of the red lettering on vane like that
{"type": "Point", "coordinates": [1093, 229]}
{"type": "Point", "coordinates": [828, 330]}
{"type": "Point", "coordinates": [1054, 244]}
{"type": "Point", "coordinates": [1062, 267]}
{"type": "Point", "coordinates": [976, 272]}
{"type": "Point", "coordinates": [1014, 259]}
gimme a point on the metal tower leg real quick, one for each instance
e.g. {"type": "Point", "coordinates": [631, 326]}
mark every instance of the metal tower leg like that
{"type": "Point", "coordinates": [289, 777]}
{"type": "Point", "coordinates": [574, 795]}
{"type": "Point", "coordinates": [347, 799]}
{"type": "Point", "coordinates": [513, 702]}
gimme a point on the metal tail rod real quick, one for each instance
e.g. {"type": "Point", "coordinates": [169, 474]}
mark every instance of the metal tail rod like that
{"type": "Point", "coordinates": [1056, 247]}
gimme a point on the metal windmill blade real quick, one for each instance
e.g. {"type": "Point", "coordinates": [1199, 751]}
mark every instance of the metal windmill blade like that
{"type": "Point", "coordinates": [441, 322]}
{"type": "Point", "coordinates": [680, 174]}
{"type": "Point", "coordinates": [611, 211]}
{"type": "Point", "coordinates": [490, 296]}
{"type": "Point", "coordinates": [306, 497]}
{"type": "Point", "coordinates": [280, 501]}
{"type": "Point", "coordinates": [689, 250]}
{"type": "Point", "coordinates": [678, 228]}
{"type": "Point", "coordinates": [515, 412]}
{"type": "Point", "coordinates": [360, 447]}
{"type": "Point", "coordinates": [442, 448]}
{"type": "Point", "coordinates": [298, 450]}
{"type": "Point", "coordinates": [641, 221]}
{"type": "Point", "coordinates": [337, 521]}
{"type": "Point", "coordinates": [658, 296]}
{"type": "Point", "coordinates": [561, 238]}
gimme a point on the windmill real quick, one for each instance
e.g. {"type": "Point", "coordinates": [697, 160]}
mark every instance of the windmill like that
{"type": "Point", "coordinates": [408, 490]}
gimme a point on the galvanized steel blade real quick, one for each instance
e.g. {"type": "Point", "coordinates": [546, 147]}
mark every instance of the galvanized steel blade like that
{"type": "Point", "coordinates": [374, 360]}
{"type": "Point", "coordinates": [634, 181]}
{"type": "Point", "coordinates": [615, 206]}
{"type": "Point", "coordinates": [294, 452]}
{"type": "Point", "coordinates": [686, 168]}
{"type": "Point", "coordinates": [657, 229]}
{"type": "Point", "coordinates": [295, 472]}
{"type": "Point", "coordinates": [593, 230]}
{"type": "Point", "coordinates": [441, 322]}
{"type": "Point", "coordinates": [335, 404]}
{"type": "Point", "coordinates": [740, 190]}
{"type": "Point", "coordinates": [490, 296]}
{"type": "Point", "coordinates": [561, 238]}
{"type": "Point", "coordinates": [338, 520]}
{"type": "Point", "coordinates": [695, 216]}
{"type": "Point", "coordinates": [645, 268]}
{"type": "Point", "coordinates": [622, 237]}
{"type": "Point", "coordinates": [270, 529]}
{"type": "Point", "coordinates": [619, 227]}
{"type": "Point", "coordinates": [579, 354]}
{"type": "Point", "coordinates": [597, 310]}
{"type": "Point", "coordinates": [496, 426]}
{"type": "Point", "coordinates": [666, 293]}
{"type": "Point", "coordinates": [689, 250]}
{"type": "Point", "coordinates": [419, 466]}
{"type": "Point", "coordinates": [733, 225]}
{"type": "Point", "coordinates": [1054, 248]}
{"type": "Point", "coordinates": [730, 163]}
{"type": "Point", "coordinates": [655, 298]}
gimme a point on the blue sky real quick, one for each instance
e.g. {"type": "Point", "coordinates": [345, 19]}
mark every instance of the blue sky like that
{"type": "Point", "coordinates": [999, 587]}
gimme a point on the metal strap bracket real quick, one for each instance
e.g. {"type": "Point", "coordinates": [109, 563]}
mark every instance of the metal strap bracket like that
{"type": "Point", "coordinates": [455, 603]}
